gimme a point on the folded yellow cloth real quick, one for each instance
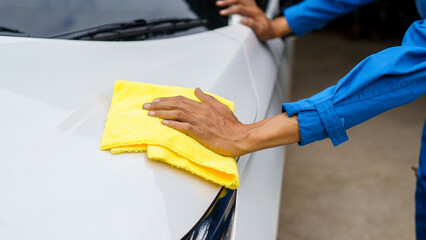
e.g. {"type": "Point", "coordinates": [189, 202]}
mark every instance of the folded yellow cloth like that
{"type": "Point", "coordinates": [128, 128]}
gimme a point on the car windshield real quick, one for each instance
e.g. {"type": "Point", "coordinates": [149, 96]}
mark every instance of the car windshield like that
{"type": "Point", "coordinates": [45, 18]}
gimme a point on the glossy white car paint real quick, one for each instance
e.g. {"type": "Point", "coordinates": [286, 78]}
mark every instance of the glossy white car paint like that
{"type": "Point", "coordinates": [55, 182]}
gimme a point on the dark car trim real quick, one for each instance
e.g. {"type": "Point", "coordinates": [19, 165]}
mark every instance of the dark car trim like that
{"type": "Point", "coordinates": [216, 223]}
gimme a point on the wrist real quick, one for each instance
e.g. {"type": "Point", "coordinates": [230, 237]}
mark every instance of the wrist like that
{"type": "Point", "coordinates": [280, 27]}
{"type": "Point", "coordinates": [271, 132]}
{"type": "Point", "coordinates": [255, 136]}
{"type": "Point", "coordinates": [244, 141]}
{"type": "Point", "coordinates": [251, 137]}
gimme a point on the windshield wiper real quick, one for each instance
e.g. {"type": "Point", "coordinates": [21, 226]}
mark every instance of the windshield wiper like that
{"type": "Point", "coordinates": [134, 30]}
{"type": "Point", "coordinates": [12, 32]}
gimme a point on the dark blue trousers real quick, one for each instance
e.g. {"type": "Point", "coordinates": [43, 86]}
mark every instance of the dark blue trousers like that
{"type": "Point", "coordinates": [421, 191]}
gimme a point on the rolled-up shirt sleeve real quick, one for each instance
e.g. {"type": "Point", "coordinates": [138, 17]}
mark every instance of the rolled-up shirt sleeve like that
{"type": "Point", "coordinates": [385, 80]}
{"type": "Point", "coordinates": [313, 14]}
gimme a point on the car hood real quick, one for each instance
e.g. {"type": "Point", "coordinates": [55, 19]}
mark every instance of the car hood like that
{"type": "Point", "coordinates": [55, 182]}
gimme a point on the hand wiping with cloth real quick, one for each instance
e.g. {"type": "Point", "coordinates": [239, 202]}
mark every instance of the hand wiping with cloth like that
{"type": "Point", "coordinates": [208, 120]}
{"type": "Point", "coordinates": [189, 129]}
{"type": "Point", "coordinates": [130, 128]}
{"type": "Point", "coordinates": [215, 126]}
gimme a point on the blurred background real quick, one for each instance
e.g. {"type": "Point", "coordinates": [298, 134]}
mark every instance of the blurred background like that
{"type": "Point", "coordinates": [363, 189]}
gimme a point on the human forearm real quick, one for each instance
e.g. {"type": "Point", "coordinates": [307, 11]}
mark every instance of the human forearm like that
{"type": "Point", "coordinates": [271, 132]}
{"type": "Point", "coordinates": [214, 125]}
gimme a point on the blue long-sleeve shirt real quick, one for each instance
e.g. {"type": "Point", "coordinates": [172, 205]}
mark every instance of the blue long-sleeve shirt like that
{"type": "Point", "coordinates": [383, 81]}
{"type": "Point", "coordinates": [313, 14]}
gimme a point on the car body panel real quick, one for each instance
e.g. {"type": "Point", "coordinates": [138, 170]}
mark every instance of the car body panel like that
{"type": "Point", "coordinates": [55, 181]}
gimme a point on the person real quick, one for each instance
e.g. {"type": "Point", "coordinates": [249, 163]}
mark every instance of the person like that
{"type": "Point", "coordinates": [382, 81]}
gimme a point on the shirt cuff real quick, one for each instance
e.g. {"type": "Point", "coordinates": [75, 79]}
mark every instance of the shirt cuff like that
{"type": "Point", "coordinates": [300, 19]}
{"type": "Point", "coordinates": [317, 123]}
{"type": "Point", "coordinates": [291, 15]}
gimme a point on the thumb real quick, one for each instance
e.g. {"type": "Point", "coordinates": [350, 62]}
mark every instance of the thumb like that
{"type": "Point", "coordinates": [201, 95]}
{"type": "Point", "coordinates": [205, 97]}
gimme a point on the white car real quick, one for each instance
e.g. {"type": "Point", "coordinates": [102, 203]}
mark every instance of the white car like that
{"type": "Point", "coordinates": [56, 84]}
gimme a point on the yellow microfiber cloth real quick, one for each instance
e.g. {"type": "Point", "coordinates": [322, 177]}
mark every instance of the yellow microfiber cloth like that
{"type": "Point", "coordinates": [128, 128]}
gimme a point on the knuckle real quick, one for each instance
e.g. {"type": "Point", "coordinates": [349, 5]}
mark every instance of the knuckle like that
{"type": "Point", "coordinates": [180, 114]}
{"type": "Point", "coordinates": [174, 105]}
{"type": "Point", "coordinates": [153, 105]}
